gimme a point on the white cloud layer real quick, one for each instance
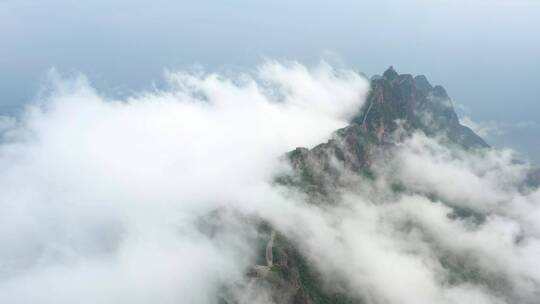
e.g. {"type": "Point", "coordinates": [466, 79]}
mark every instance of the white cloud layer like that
{"type": "Point", "coordinates": [102, 201]}
{"type": "Point", "coordinates": [485, 130]}
{"type": "Point", "coordinates": [99, 199]}
{"type": "Point", "coordinates": [462, 231]}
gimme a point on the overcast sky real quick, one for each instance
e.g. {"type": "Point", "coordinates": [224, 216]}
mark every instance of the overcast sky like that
{"type": "Point", "coordinates": [486, 53]}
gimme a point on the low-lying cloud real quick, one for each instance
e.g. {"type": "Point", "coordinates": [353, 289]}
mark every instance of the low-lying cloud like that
{"type": "Point", "coordinates": [100, 198]}
{"type": "Point", "coordinates": [151, 199]}
{"type": "Point", "coordinates": [460, 228]}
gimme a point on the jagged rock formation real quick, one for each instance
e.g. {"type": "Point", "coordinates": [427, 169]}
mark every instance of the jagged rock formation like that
{"type": "Point", "coordinates": [395, 102]}
{"type": "Point", "coordinates": [319, 169]}
{"type": "Point", "coordinates": [396, 106]}
{"type": "Point", "coordinates": [416, 103]}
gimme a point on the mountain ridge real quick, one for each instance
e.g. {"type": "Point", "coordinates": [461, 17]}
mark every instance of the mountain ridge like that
{"type": "Point", "coordinates": [397, 106]}
{"type": "Point", "coordinates": [396, 102]}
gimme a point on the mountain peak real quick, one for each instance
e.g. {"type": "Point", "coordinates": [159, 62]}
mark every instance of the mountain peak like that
{"type": "Point", "coordinates": [390, 74]}
{"type": "Point", "coordinates": [412, 102]}
{"type": "Point", "coordinates": [439, 91]}
{"type": "Point", "coordinates": [422, 83]}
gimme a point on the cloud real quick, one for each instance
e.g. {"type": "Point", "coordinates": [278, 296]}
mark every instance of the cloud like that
{"type": "Point", "coordinates": [484, 130]}
{"type": "Point", "coordinates": [101, 199]}
{"type": "Point", "coordinates": [477, 180]}
{"type": "Point", "coordinates": [153, 199]}
{"type": "Point", "coordinates": [460, 231]}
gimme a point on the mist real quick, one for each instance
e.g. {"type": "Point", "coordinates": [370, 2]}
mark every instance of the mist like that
{"type": "Point", "coordinates": [101, 198]}
{"type": "Point", "coordinates": [157, 198]}
{"type": "Point", "coordinates": [482, 51]}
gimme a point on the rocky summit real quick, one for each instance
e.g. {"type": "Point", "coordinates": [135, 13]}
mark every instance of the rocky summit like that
{"type": "Point", "coordinates": [397, 105]}
{"type": "Point", "coordinates": [397, 102]}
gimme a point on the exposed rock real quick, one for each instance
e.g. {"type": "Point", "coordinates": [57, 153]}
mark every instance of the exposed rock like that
{"type": "Point", "coordinates": [421, 82]}
{"type": "Point", "coordinates": [390, 74]}
{"type": "Point", "coordinates": [396, 103]}
{"type": "Point", "coordinates": [415, 102]}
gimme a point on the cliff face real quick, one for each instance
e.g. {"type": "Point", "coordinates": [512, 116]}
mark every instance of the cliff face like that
{"type": "Point", "coordinates": [396, 106]}
{"type": "Point", "coordinates": [418, 105]}
{"type": "Point", "coordinates": [396, 102]}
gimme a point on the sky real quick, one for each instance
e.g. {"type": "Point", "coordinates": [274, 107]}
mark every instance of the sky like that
{"type": "Point", "coordinates": [486, 53]}
{"type": "Point", "coordinates": [147, 156]}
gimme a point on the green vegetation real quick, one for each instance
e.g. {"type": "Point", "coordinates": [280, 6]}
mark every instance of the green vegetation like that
{"type": "Point", "coordinates": [275, 268]}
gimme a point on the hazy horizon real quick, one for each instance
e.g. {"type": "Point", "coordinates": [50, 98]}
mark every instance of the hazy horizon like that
{"type": "Point", "coordinates": [485, 53]}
